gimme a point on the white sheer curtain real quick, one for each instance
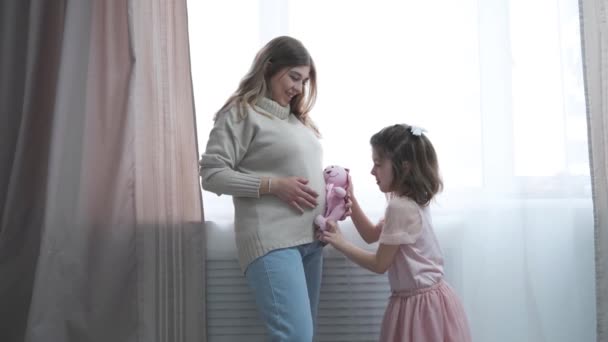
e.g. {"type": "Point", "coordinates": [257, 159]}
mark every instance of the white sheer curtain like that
{"type": "Point", "coordinates": [498, 85]}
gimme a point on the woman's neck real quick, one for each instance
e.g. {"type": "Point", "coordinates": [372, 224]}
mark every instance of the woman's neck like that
{"type": "Point", "coordinates": [273, 107]}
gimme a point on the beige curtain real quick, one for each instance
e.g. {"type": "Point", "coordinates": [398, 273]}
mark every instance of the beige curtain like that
{"type": "Point", "coordinates": [101, 236]}
{"type": "Point", "coordinates": [594, 29]}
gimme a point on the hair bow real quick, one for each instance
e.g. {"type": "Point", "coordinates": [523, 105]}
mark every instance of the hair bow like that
{"type": "Point", "coordinates": [417, 131]}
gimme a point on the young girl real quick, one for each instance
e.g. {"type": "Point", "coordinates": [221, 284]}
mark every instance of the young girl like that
{"type": "Point", "coordinates": [422, 307]}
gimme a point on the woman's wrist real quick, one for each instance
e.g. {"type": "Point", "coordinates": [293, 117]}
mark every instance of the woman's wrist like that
{"type": "Point", "coordinates": [269, 185]}
{"type": "Point", "coordinates": [265, 186]}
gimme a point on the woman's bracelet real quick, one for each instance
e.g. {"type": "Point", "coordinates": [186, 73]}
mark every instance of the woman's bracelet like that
{"type": "Point", "coordinates": [265, 186]}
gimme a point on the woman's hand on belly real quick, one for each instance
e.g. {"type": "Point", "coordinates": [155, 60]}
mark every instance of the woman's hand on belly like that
{"type": "Point", "coordinates": [295, 192]}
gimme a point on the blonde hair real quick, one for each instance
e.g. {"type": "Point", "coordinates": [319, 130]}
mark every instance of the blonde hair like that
{"type": "Point", "coordinates": [278, 54]}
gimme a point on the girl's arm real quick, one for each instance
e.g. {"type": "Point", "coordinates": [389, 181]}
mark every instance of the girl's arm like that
{"type": "Point", "coordinates": [368, 231]}
{"type": "Point", "coordinates": [377, 262]}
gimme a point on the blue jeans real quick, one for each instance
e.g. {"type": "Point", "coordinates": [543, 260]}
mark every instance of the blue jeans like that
{"type": "Point", "coordinates": [286, 285]}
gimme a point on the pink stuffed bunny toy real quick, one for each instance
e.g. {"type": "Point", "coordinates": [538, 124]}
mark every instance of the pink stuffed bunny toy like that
{"type": "Point", "coordinates": [336, 187]}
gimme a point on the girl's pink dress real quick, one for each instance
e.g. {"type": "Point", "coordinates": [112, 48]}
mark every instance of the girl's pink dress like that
{"type": "Point", "coordinates": [422, 307]}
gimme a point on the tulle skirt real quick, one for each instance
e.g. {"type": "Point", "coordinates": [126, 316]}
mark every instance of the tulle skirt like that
{"type": "Point", "coordinates": [431, 314]}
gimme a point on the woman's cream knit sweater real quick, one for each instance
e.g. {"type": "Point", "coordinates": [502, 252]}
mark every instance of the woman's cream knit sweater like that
{"type": "Point", "coordinates": [240, 152]}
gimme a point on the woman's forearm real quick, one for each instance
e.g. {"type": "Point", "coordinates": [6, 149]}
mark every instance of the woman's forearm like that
{"type": "Point", "coordinates": [225, 181]}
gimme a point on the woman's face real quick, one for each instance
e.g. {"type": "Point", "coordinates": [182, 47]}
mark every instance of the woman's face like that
{"type": "Point", "coordinates": [383, 171]}
{"type": "Point", "coordinates": [287, 83]}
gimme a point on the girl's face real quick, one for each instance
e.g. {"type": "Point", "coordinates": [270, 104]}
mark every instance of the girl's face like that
{"type": "Point", "coordinates": [383, 171]}
{"type": "Point", "coordinates": [287, 83]}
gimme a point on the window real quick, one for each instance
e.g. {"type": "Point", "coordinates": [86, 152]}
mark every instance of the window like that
{"type": "Point", "coordinates": [497, 84]}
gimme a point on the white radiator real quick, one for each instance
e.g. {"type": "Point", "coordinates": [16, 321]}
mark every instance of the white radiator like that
{"type": "Point", "coordinates": [351, 305]}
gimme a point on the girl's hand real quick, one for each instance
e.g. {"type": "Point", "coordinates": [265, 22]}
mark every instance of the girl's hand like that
{"type": "Point", "coordinates": [332, 234]}
{"type": "Point", "coordinates": [349, 199]}
{"type": "Point", "coordinates": [349, 208]}
{"type": "Point", "coordinates": [295, 192]}
{"type": "Point", "coordinates": [350, 192]}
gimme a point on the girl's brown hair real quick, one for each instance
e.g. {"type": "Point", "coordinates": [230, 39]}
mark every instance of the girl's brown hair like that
{"type": "Point", "coordinates": [278, 54]}
{"type": "Point", "coordinates": [414, 161]}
